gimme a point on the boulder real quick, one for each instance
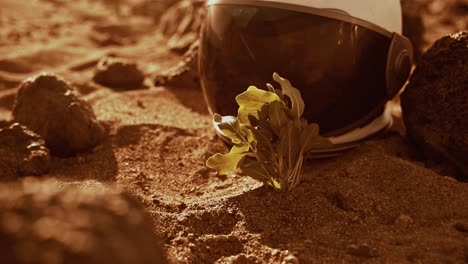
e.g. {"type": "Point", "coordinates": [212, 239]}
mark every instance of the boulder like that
{"type": "Point", "coordinates": [435, 103]}
{"type": "Point", "coordinates": [182, 23]}
{"type": "Point", "coordinates": [184, 74]}
{"type": "Point", "coordinates": [22, 152]}
{"type": "Point", "coordinates": [45, 222]}
{"type": "Point", "coordinates": [50, 107]}
{"type": "Point", "coordinates": [118, 73]}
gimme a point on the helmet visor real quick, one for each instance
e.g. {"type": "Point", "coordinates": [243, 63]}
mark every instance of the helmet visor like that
{"type": "Point", "coordinates": [339, 67]}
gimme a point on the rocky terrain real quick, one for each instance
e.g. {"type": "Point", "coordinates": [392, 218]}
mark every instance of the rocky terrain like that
{"type": "Point", "coordinates": [116, 81]}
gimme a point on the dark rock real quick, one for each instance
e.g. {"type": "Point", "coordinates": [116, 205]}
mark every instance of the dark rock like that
{"type": "Point", "coordinates": [362, 250]}
{"type": "Point", "coordinates": [435, 103]}
{"type": "Point", "coordinates": [22, 152]}
{"type": "Point", "coordinates": [119, 73]}
{"type": "Point", "coordinates": [44, 222]}
{"type": "Point", "coordinates": [461, 227]}
{"type": "Point", "coordinates": [184, 74]}
{"type": "Point", "coordinates": [182, 23]}
{"type": "Point", "coordinates": [48, 106]}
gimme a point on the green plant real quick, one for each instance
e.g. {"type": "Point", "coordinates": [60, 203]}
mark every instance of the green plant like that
{"type": "Point", "coordinates": [269, 136]}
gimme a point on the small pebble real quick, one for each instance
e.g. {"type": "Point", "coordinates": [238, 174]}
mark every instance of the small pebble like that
{"type": "Point", "coordinates": [231, 211]}
{"type": "Point", "coordinates": [403, 221]}
{"type": "Point", "coordinates": [362, 250]}
{"type": "Point", "coordinates": [461, 227]}
{"type": "Point", "coordinates": [181, 219]}
{"type": "Point", "coordinates": [290, 260]}
{"type": "Point", "coordinates": [192, 246]}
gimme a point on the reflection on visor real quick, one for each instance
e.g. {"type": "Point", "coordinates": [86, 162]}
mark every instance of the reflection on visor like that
{"type": "Point", "coordinates": [338, 66]}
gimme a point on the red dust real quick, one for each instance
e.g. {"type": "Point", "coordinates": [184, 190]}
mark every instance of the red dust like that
{"type": "Point", "coordinates": [377, 203]}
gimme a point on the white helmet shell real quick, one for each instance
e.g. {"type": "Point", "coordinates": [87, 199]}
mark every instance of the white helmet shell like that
{"type": "Point", "coordinates": [383, 13]}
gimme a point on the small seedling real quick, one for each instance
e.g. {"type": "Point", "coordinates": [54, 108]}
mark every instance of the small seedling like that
{"type": "Point", "coordinates": [269, 136]}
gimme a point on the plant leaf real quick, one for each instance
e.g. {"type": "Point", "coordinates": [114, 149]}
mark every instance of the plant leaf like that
{"type": "Point", "coordinates": [277, 116]}
{"type": "Point", "coordinates": [297, 104]}
{"type": "Point", "coordinates": [251, 101]}
{"type": "Point", "coordinates": [317, 143]}
{"type": "Point", "coordinates": [225, 164]}
{"type": "Point", "coordinates": [288, 147]}
{"type": "Point", "coordinates": [271, 88]}
{"type": "Point", "coordinates": [247, 132]}
{"type": "Point", "coordinates": [265, 150]}
{"type": "Point", "coordinates": [230, 128]}
{"type": "Point", "coordinates": [258, 171]}
{"type": "Point", "coordinates": [308, 133]}
{"type": "Point", "coordinates": [255, 170]}
{"type": "Point", "coordinates": [269, 136]}
{"type": "Point", "coordinates": [240, 149]}
{"type": "Point", "coordinates": [311, 139]}
{"type": "Point", "coordinates": [263, 124]}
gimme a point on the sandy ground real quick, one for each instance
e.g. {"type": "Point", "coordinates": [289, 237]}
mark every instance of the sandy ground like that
{"type": "Point", "coordinates": [379, 203]}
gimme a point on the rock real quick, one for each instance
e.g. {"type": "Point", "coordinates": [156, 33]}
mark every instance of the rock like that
{"type": "Point", "coordinates": [48, 106]}
{"type": "Point", "coordinates": [22, 152]}
{"type": "Point", "coordinates": [290, 260]}
{"type": "Point", "coordinates": [118, 73]}
{"type": "Point", "coordinates": [461, 227]}
{"type": "Point", "coordinates": [435, 103]}
{"type": "Point", "coordinates": [182, 23]}
{"type": "Point", "coordinates": [362, 250]}
{"type": "Point", "coordinates": [184, 74]}
{"type": "Point", "coordinates": [44, 222]}
{"type": "Point", "coordinates": [403, 221]}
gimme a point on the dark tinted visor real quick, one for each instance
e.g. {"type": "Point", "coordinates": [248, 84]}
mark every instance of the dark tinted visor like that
{"type": "Point", "coordinates": [340, 67]}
